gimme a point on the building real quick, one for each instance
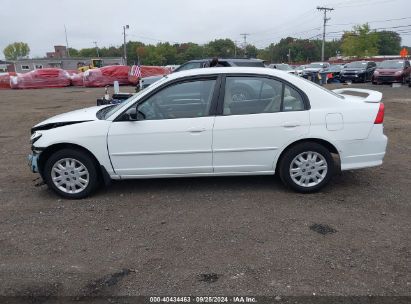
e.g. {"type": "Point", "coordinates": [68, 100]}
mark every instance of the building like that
{"type": "Point", "coordinates": [60, 51]}
{"type": "Point", "coordinates": [57, 59]}
{"type": "Point", "coordinates": [6, 66]}
{"type": "Point", "coordinates": [27, 65]}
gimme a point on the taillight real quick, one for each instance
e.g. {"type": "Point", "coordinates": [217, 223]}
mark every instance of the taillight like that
{"type": "Point", "coordinates": [380, 115]}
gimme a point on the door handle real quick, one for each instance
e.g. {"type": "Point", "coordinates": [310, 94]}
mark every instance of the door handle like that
{"type": "Point", "coordinates": [291, 124]}
{"type": "Point", "coordinates": [196, 130]}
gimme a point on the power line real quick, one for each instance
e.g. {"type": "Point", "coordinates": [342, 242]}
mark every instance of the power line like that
{"type": "Point", "coordinates": [325, 9]}
{"type": "Point", "coordinates": [95, 43]}
{"type": "Point", "coordinates": [67, 44]}
{"type": "Point", "coordinates": [373, 21]}
{"type": "Point", "coordinates": [245, 42]}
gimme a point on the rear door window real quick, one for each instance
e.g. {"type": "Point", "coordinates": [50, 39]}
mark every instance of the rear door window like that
{"type": "Point", "coordinates": [255, 95]}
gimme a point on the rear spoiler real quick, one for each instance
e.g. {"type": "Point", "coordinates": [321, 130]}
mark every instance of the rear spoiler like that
{"type": "Point", "coordinates": [373, 96]}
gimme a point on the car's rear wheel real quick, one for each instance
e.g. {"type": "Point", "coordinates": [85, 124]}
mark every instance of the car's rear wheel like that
{"type": "Point", "coordinates": [306, 167]}
{"type": "Point", "coordinates": [71, 173]}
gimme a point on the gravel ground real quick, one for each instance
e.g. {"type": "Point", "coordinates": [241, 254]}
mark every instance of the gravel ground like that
{"type": "Point", "coordinates": [203, 236]}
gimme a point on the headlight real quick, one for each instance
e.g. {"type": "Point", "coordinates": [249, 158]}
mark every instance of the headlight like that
{"type": "Point", "coordinates": [398, 73]}
{"type": "Point", "coordinates": [35, 136]}
{"type": "Point", "coordinates": [376, 73]}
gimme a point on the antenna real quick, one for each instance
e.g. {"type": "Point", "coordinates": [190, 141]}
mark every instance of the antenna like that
{"type": "Point", "coordinates": [325, 9]}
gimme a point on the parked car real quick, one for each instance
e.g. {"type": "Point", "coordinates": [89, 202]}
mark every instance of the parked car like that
{"type": "Point", "coordinates": [299, 70]}
{"type": "Point", "coordinates": [334, 72]}
{"type": "Point", "coordinates": [283, 67]}
{"type": "Point", "coordinates": [358, 71]}
{"type": "Point", "coordinates": [316, 67]}
{"type": "Point", "coordinates": [201, 63]}
{"type": "Point", "coordinates": [194, 123]}
{"type": "Point", "coordinates": [392, 71]}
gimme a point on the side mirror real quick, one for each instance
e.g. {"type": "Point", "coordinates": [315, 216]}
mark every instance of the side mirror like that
{"type": "Point", "coordinates": [131, 114]}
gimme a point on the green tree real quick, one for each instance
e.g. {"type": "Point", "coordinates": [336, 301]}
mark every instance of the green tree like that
{"type": "Point", "coordinates": [88, 52]}
{"type": "Point", "coordinates": [73, 52]}
{"type": "Point", "coordinates": [189, 51]}
{"type": "Point", "coordinates": [223, 48]}
{"type": "Point", "coordinates": [389, 43]}
{"type": "Point", "coordinates": [361, 42]}
{"type": "Point", "coordinates": [132, 55]}
{"type": "Point", "coordinates": [252, 51]}
{"type": "Point", "coordinates": [16, 50]}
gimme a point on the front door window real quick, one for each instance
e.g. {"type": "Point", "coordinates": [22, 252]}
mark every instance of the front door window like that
{"type": "Point", "coordinates": [183, 100]}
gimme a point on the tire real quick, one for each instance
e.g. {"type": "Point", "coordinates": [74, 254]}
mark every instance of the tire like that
{"type": "Point", "coordinates": [322, 174]}
{"type": "Point", "coordinates": [77, 168]}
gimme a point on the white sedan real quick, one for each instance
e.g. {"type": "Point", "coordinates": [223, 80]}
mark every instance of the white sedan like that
{"type": "Point", "coordinates": [214, 122]}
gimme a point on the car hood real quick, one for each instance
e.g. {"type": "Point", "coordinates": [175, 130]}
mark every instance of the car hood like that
{"type": "Point", "coordinates": [388, 70]}
{"type": "Point", "coordinates": [353, 70]}
{"type": "Point", "coordinates": [76, 116]}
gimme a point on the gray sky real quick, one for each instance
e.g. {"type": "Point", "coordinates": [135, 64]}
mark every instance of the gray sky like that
{"type": "Point", "coordinates": [40, 23]}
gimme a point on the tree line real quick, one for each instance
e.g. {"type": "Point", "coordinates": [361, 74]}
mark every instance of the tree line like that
{"type": "Point", "coordinates": [361, 41]}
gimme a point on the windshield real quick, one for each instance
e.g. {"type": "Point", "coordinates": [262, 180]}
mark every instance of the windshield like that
{"type": "Point", "coordinates": [111, 109]}
{"type": "Point", "coordinates": [283, 67]}
{"type": "Point", "coordinates": [106, 112]}
{"type": "Point", "coordinates": [189, 66]}
{"type": "Point", "coordinates": [316, 65]}
{"type": "Point", "coordinates": [392, 64]}
{"type": "Point", "coordinates": [356, 65]}
{"type": "Point", "coordinates": [335, 68]}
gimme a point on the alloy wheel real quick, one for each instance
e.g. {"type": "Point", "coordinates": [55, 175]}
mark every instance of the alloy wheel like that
{"type": "Point", "coordinates": [70, 175]}
{"type": "Point", "coordinates": [308, 169]}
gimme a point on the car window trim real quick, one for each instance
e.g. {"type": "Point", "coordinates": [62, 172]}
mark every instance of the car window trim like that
{"type": "Point", "coordinates": [216, 77]}
{"type": "Point", "coordinates": [220, 103]}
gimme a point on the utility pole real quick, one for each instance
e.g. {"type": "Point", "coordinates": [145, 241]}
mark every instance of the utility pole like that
{"type": "Point", "coordinates": [67, 45]}
{"type": "Point", "coordinates": [235, 48]}
{"type": "Point", "coordinates": [325, 9]}
{"type": "Point", "coordinates": [95, 43]}
{"type": "Point", "coordinates": [245, 43]}
{"type": "Point", "coordinates": [125, 27]}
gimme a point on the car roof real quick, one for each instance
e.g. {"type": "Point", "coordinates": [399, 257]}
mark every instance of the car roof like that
{"type": "Point", "coordinates": [227, 70]}
{"type": "Point", "coordinates": [395, 60]}
{"type": "Point", "coordinates": [228, 59]}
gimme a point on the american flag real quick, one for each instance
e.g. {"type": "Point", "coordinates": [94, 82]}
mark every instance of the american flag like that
{"type": "Point", "coordinates": [135, 71]}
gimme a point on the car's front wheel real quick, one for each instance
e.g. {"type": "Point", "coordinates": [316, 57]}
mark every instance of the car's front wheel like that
{"type": "Point", "coordinates": [71, 173]}
{"type": "Point", "coordinates": [306, 167]}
